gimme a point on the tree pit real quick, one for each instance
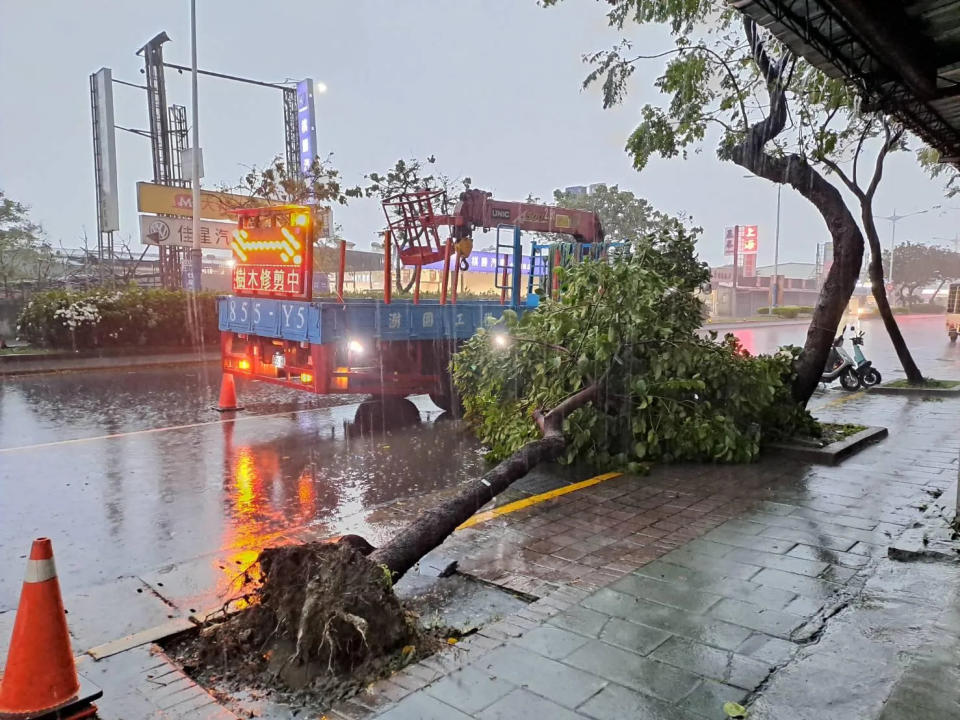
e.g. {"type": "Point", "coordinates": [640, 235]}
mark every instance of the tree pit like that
{"type": "Point", "coordinates": [322, 623]}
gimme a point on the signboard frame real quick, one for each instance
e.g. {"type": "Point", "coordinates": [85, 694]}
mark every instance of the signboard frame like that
{"type": "Point", "coordinates": [264, 233]}
{"type": "Point", "coordinates": [214, 234]}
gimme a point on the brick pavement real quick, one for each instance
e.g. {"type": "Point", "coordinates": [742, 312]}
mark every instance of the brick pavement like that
{"type": "Point", "coordinates": [668, 595]}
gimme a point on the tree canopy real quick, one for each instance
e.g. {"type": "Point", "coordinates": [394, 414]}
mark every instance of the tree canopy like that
{"type": "Point", "coordinates": [728, 81]}
{"type": "Point", "coordinates": [24, 253]}
{"type": "Point", "coordinates": [628, 329]}
{"type": "Point", "coordinates": [625, 217]}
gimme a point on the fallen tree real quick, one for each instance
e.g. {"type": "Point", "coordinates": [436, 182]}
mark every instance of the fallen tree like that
{"type": "Point", "coordinates": [613, 373]}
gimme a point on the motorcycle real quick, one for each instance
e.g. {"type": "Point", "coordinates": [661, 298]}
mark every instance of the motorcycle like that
{"type": "Point", "coordinates": [841, 366]}
{"type": "Point", "coordinates": [868, 374]}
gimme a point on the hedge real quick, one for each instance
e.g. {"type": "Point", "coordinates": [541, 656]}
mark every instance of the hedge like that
{"type": "Point", "coordinates": [786, 311]}
{"type": "Point", "coordinates": [131, 316]}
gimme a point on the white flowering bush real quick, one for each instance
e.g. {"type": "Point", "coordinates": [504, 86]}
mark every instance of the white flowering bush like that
{"type": "Point", "coordinates": [126, 317]}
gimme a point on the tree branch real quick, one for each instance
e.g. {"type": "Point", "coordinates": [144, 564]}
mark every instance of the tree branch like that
{"type": "Point", "coordinates": [851, 184]}
{"type": "Point", "coordinates": [890, 141]}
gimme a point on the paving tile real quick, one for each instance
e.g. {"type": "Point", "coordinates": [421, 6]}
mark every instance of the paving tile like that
{"type": "Point", "coordinates": [627, 668]}
{"type": "Point", "coordinates": [772, 622]}
{"type": "Point", "coordinates": [809, 537]}
{"type": "Point", "coordinates": [751, 542]}
{"type": "Point", "coordinates": [524, 704]}
{"type": "Point", "coordinates": [615, 702]}
{"type": "Point", "coordinates": [766, 648]}
{"type": "Point", "coordinates": [837, 518]}
{"type": "Point", "coordinates": [806, 586]}
{"type": "Point", "coordinates": [847, 559]}
{"type": "Point", "coordinates": [697, 561]}
{"type": "Point", "coordinates": [745, 590]}
{"type": "Point", "coordinates": [665, 593]}
{"type": "Point", "coordinates": [551, 642]}
{"type": "Point", "coordinates": [421, 706]}
{"type": "Point", "coordinates": [696, 627]}
{"type": "Point", "coordinates": [810, 568]}
{"type": "Point", "coordinates": [837, 574]}
{"type": "Point", "coordinates": [580, 620]}
{"type": "Point", "coordinates": [471, 689]}
{"type": "Point", "coordinates": [640, 639]}
{"type": "Point", "coordinates": [805, 607]}
{"type": "Point", "coordinates": [562, 683]}
{"type": "Point", "coordinates": [728, 667]}
{"type": "Point", "coordinates": [708, 698]}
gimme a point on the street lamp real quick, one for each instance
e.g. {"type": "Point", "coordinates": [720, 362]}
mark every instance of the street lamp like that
{"type": "Point", "coordinates": [893, 220]}
{"type": "Point", "coordinates": [775, 285]}
{"type": "Point", "coordinates": [196, 253]}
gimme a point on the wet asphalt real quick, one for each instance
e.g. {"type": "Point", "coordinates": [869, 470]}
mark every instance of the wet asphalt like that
{"type": "Point", "coordinates": [131, 471]}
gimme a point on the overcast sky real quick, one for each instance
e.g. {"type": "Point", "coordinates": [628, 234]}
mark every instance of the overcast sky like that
{"type": "Point", "coordinates": [491, 87]}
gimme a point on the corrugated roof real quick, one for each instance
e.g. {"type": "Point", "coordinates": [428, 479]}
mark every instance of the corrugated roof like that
{"type": "Point", "coordinates": [904, 57]}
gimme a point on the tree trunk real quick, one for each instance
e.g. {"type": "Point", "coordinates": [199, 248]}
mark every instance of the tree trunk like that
{"type": "Point", "coordinates": [914, 377]}
{"type": "Point", "coordinates": [793, 169]}
{"type": "Point", "coordinates": [432, 527]}
{"type": "Point", "coordinates": [847, 256]}
{"type": "Point", "coordinates": [937, 291]}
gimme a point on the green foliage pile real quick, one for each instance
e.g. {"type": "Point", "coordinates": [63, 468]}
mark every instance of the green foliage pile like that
{"type": "Point", "coordinates": [666, 393]}
{"type": "Point", "coordinates": [130, 316]}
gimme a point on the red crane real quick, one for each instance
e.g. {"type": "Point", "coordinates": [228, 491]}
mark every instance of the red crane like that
{"type": "Point", "coordinates": [414, 224]}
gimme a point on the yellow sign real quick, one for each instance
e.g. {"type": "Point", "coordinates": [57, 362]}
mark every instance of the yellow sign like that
{"type": "Point", "coordinates": [168, 200]}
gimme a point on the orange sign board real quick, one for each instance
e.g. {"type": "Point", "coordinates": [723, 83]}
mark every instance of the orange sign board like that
{"type": "Point", "coordinates": [272, 253]}
{"type": "Point", "coordinates": [169, 200]}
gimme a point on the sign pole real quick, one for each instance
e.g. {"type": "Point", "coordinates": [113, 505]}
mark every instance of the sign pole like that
{"type": "Point", "coordinates": [736, 261]}
{"type": "Point", "coordinates": [196, 253]}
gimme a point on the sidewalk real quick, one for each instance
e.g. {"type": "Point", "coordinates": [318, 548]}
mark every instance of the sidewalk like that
{"type": "Point", "coordinates": [667, 596]}
{"type": "Point", "coordinates": [662, 596]}
{"type": "Point", "coordinates": [30, 364]}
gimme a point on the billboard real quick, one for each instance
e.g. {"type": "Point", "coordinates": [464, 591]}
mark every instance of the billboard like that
{"type": "Point", "coordinates": [170, 200]}
{"type": "Point", "coordinates": [272, 251]}
{"type": "Point", "coordinates": [306, 124]}
{"type": "Point", "coordinates": [105, 149]}
{"type": "Point", "coordinates": [747, 236]}
{"type": "Point", "coordinates": [178, 232]}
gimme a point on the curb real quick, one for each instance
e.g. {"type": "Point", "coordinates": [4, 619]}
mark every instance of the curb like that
{"type": "Point", "coordinates": [834, 453]}
{"type": "Point", "coordinates": [45, 365]}
{"type": "Point", "coordinates": [919, 391]}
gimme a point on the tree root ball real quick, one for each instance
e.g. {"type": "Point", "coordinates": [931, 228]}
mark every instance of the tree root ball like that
{"type": "Point", "coordinates": [319, 611]}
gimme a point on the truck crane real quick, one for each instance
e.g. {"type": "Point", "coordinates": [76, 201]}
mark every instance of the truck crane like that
{"type": "Point", "coordinates": [274, 330]}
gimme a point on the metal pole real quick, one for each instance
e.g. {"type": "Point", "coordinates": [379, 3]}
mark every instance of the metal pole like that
{"type": "Point", "coordinates": [197, 252]}
{"type": "Point", "coordinates": [893, 240]}
{"type": "Point", "coordinates": [776, 254]}
{"type": "Point", "coordinates": [736, 260]}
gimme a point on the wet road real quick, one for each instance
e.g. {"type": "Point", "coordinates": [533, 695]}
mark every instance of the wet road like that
{"type": "Point", "coordinates": [130, 471]}
{"type": "Point", "coordinates": [925, 336]}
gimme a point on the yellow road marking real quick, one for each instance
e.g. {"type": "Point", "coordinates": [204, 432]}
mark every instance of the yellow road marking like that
{"type": "Point", "coordinates": [845, 398]}
{"type": "Point", "coordinates": [536, 499]}
{"type": "Point", "coordinates": [147, 431]}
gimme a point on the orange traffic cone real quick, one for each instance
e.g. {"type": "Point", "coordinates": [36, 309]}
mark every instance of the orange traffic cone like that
{"type": "Point", "coordinates": [228, 395]}
{"type": "Point", "coordinates": [40, 679]}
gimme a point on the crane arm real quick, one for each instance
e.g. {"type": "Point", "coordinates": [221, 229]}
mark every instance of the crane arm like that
{"type": "Point", "coordinates": [477, 209]}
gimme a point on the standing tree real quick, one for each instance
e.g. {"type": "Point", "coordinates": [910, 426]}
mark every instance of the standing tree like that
{"type": "Point", "coordinates": [777, 116]}
{"type": "Point", "coordinates": [24, 255]}
{"type": "Point", "coordinates": [410, 176]}
{"type": "Point", "coordinates": [625, 217]}
{"type": "Point", "coordinates": [916, 266]}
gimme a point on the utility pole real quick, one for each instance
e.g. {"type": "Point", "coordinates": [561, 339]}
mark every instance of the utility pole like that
{"type": "Point", "coordinates": [776, 253]}
{"type": "Point", "coordinates": [196, 251]}
{"type": "Point", "coordinates": [736, 261]}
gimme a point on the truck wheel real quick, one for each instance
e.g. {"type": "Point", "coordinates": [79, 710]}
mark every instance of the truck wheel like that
{"type": "Point", "coordinates": [448, 402]}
